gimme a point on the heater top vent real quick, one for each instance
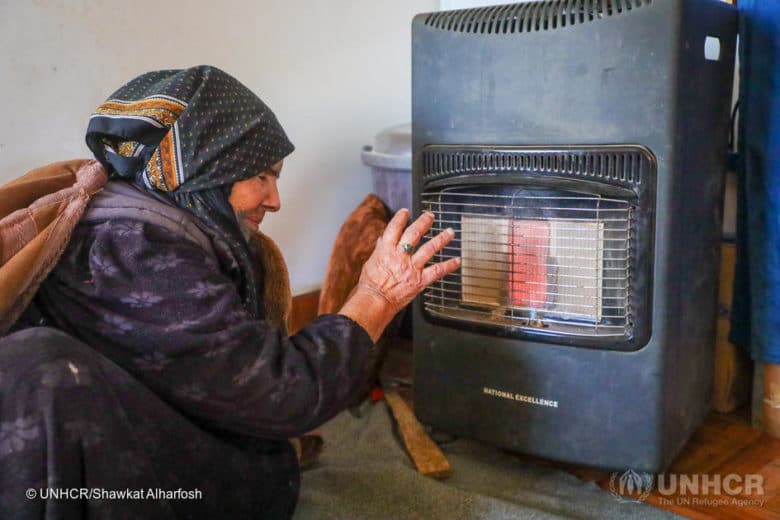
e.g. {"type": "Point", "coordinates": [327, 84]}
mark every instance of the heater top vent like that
{"type": "Point", "coordinates": [622, 165]}
{"type": "Point", "coordinates": [529, 17]}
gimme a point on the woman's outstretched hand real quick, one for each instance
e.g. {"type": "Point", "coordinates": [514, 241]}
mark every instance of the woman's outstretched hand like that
{"type": "Point", "coordinates": [396, 271]}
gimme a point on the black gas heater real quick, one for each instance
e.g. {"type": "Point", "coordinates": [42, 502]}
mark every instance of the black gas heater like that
{"type": "Point", "coordinates": [577, 147]}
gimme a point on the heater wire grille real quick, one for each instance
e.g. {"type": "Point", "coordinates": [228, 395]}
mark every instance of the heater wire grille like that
{"type": "Point", "coordinates": [534, 260]}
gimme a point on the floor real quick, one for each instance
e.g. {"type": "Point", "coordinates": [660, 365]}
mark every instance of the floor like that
{"type": "Point", "coordinates": [725, 444]}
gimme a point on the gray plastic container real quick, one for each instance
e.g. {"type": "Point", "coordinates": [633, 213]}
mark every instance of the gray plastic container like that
{"type": "Point", "coordinates": [390, 160]}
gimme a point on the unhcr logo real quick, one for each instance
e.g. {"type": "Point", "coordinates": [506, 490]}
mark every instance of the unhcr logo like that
{"type": "Point", "coordinates": [631, 486]}
{"type": "Point", "coordinates": [685, 490]}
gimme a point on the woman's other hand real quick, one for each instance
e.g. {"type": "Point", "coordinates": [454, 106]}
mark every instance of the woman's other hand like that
{"type": "Point", "coordinates": [393, 275]}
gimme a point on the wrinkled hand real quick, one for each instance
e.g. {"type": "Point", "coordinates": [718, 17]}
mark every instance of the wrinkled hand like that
{"type": "Point", "coordinates": [391, 277]}
{"type": "Point", "coordinates": [398, 276]}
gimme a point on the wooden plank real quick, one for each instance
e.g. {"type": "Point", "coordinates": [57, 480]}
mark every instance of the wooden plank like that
{"type": "Point", "coordinates": [772, 399]}
{"type": "Point", "coordinates": [426, 455]}
{"type": "Point", "coordinates": [757, 402]}
{"type": "Point", "coordinates": [731, 386]}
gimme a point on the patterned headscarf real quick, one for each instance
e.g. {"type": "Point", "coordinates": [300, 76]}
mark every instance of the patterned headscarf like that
{"type": "Point", "coordinates": [190, 134]}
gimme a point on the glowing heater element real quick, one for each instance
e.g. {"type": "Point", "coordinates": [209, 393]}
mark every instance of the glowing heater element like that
{"type": "Point", "coordinates": [485, 256]}
{"type": "Point", "coordinates": [530, 246]}
{"type": "Point", "coordinates": [534, 268]}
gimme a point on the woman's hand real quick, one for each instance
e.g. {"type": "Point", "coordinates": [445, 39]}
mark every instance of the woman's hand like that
{"type": "Point", "coordinates": [398, 276]}
{"type": "Point", "coordinates": [392, 277]}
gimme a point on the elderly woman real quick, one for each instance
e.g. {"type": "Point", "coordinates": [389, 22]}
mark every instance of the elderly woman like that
{"type": "Point", "coordinates": [156, 369]}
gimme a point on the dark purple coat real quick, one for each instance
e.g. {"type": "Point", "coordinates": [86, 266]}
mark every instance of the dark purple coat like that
{"type": "Point", "coordinates": [140, 283]}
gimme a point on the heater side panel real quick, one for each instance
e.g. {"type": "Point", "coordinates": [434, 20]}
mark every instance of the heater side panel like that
{"type": "Point", "coordinates": [695, 196]}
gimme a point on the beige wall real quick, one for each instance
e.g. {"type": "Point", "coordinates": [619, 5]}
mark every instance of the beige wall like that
{"type": "Point", "coordinates": [334, 72]}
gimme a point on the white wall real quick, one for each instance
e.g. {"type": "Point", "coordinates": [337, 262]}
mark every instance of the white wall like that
{"type": "Point", "coordinates": [334, 72]}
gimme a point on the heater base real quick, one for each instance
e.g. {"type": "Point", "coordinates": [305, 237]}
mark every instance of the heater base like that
{"type": "Point", "coordinates": [596, 408]}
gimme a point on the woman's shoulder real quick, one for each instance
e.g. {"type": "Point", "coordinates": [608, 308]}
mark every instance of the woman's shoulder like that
{"type": "Point", "coordinates": [122, 201]}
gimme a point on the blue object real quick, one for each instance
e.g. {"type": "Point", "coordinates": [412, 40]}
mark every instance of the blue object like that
{"type": "Point", "coordinates": [756, 306]}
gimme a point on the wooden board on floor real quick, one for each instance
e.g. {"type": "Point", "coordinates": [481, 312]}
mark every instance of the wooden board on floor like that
{"type": "Point", "coordinates": [426, 455]}
{"type": "Point", "coordinates": [733, 368]}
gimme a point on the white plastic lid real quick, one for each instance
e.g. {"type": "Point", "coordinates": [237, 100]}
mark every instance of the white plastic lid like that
{"type": "Point", "coordinates": [392, 149]}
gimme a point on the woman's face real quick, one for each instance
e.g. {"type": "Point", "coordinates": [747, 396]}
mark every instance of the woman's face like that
{"type": "Point", "coordinates": [252, 197]}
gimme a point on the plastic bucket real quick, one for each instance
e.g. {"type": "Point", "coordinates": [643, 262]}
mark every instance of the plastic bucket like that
{"type": "Point", "coordinates": [390, 160]}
